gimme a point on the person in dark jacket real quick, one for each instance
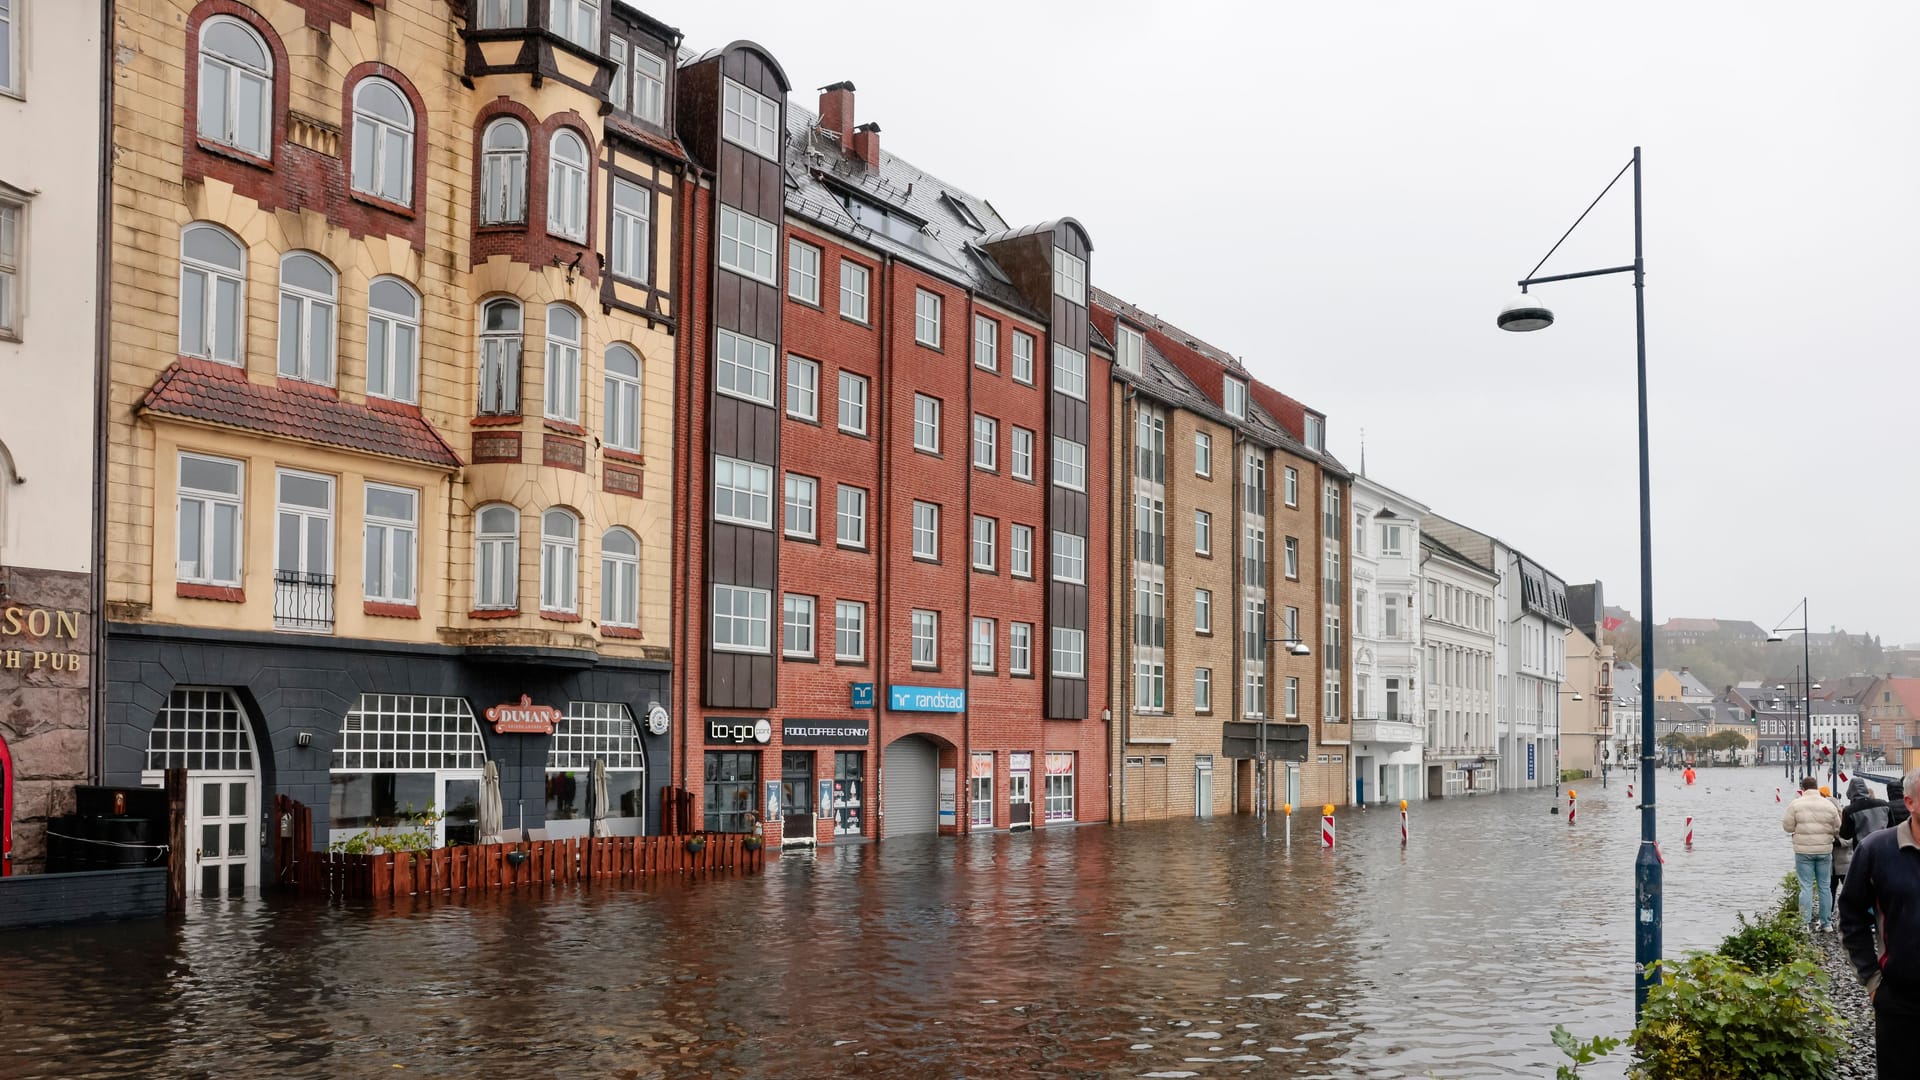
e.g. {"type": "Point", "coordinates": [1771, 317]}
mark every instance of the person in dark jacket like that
{"type": "Point", "coordinates": [1883, 887]}
{"type": "Point", "coordinates": [1896, 802]}
{"type": "Point", "coordinates": [1861, 817]}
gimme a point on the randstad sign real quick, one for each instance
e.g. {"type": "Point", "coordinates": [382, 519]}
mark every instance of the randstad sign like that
{"type": "Point", "coordinates": [926, 699]}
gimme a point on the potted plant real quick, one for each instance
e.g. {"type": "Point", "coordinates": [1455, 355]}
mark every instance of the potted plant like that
{"type": "Point", "coordinates": [696, 844]}
{"type": "Point", "coordinates": [754, 842]}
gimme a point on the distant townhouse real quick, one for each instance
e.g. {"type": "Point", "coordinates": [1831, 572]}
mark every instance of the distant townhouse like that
{"type": "Point", "coordinates": [1586, 735]}
{"type": "Point", "coordinates": [1386, 617]}
{"type": "Point", "coordinates": [1891, 722]}
{"type": "Point", "coordinates": [1459, 626]}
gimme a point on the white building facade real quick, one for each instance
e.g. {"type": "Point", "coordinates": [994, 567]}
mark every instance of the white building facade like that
{"type": "Point", "coordinates": [1537, 649]}
{"type": "Point", "coordinates": [1458, 628]}
{"type": "Point", "coordinates": [1389, 725]}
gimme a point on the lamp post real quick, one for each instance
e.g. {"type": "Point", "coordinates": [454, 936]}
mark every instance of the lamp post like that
{"type": "Point", "coordinates": [1558, 773]}
{"type": "Point", "coordinates": [1806, 678]}
{"type": "Point", "coordinates": [1525, 314]}
{"type": "Point", "coordinates": [1295, 647]}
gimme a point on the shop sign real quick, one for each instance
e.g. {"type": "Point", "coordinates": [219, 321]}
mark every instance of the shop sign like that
{"type": "Point", "coordinates": [657, 720]}
{"type": "Point", "coordinates": [862, 695]}
{"type": "Point", "coordinates": [35, 628]}
{"type": "Point", "coordinates": [525, 718]}
{"type": "Point", "coordinates": [823, 805]}
{"type": "Point", "coordinates": [773, 796]}
{"type": "Point", "coordinates": [825, 732]}
{"type": "Point", "coordinates": [736, 731]}
{"type": "Point", "coordinates": [926, 699]}
{"type": "Point", "coordinates": [948, 796]}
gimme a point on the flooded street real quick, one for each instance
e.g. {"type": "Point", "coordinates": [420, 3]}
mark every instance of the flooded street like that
{"type": "Point", "coordinates": [1177, 949]}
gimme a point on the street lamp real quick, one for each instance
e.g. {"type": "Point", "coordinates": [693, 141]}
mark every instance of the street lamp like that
{"type": "Point", "coordinates": [1806, 656]}
{"type": "Point", "coordinates": [1524, 314]}
{"type": "Point", "coordinates": [1557, 771]}
{"type": "Point", "coordinates": [1295, 647]}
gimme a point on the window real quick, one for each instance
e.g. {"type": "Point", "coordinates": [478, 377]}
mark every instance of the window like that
{"type": "Point", "coordinates": [1293, 558]}
{"type": "Point", "coordinates": [209, 506]}
{"type": "Point", "coordinates": [743, 367]}
{"type": "Point", "coordinates": [926, 531]}
{"type": "Point", "coordinates": [303, 552]}
{"type": "Point", "coordinates": [559, 561]}
{"type": "Point", "coordinates": [1149, 684]}
{"type": "Point", "coordinates": [740, 617]}
{"type": "Point", "coordinates": [1391, 539]}
{"type": "Point", "coordinates": [850, 517]}
{"type": "Point", "coordinates": [983, 644]}
{"type": "Point", "coordinates": [503, 173]}
{"type": "Point", "coordinates": [1069, 653]}
{"type": "Point", "coordinates": [802, 511]}
{"type": "Point", "coordinates": [648, 97]}
{"type": "Point", "coordinates": [1202, 454]}
{"type": "Point", "coordinates": [986, 443]}
{"type": "Point", "coordinates": [393, 340]}
{"type": "Point", "coordinates": [1069, 464]}
{"type": "Point", "coordinates": [1235, 398]}
{"type": "Point", "coordinates": [731, 790]}
{"type": "Point", "coordinates": [602, 731]}
{"type": "Point", "coordinates": [803, 389]}
{"type": "Point", "coordinates": [853, 403]}
{"type": "Point", "coordinates": [853, 291]}
{"type": "Point", "coordinates": [980, 791]}
{"type": "Point", "coordinates": [1202, 532]}
{"type": "Point", "coordinates": [497, 560]}
{"type": "Point", "coordinates": [563, 363]}
{"type": "Point", "coordinates": [1202, 689]}
{"type": "Point", "coordinates": [382, 142]}
{"type": "Point", "coordinates": [212, 290]}
{"type": "Point", "coordinates": [849, 630]}
{"type": "Point", "coordinates": [1131, 348]}
{"type": "Point", "coordinates": [622, 399]}
{"type": "Point", "coordinates": [796, 626]}
{"type": "Point", "coordinates": [926, 318]}
{"type": "Point", "coordinates": [567, 186]}
{"type": "Point", "coordinates": [392, 524]}
{"type": "Point", "coordinates": [1293, 697]}
{"type": "Point", "coordinates": [502, 14]}
{"type": "Point", "coordinates": [576, 20]}
{"type": "Point", "coordinates": [803, 272]}
{"type": "Point", "coordinates": [742, 492]}
{"type": "Point", "coordinates": [986, 534]}
{"type": "Point", "coordinates": [619, 578]}
{"type": "Point", "coordinates": [1069, 276]}
{"type": "Point", "coordinates": [1023, 357]}
{"type": "Point", "coordinates": [1203, 611]}
{"type": "Point", "coordinates": [236, 81]}
{"type": "Point", "coordinates": [747, 245]}
{"type": "Point", "coordinates": [632, 208]}
{"type": "Point", "coordinates": [307, 298]}
{"type": "Point", "coordinates": [1020, 545]}
{"type": "Point", "coordinates": [1293, 486]}
{"type": "Point", "coordinates": [926, 423]}
{"type": "Point", "coordinates": [1070, 372]}
{"type": "Point", "coordinates": [1022, 454]}
{"type": "Point", "coordinates": [198, 729]}
{"type": "Point", "coordinates": [1020, 648]}
{"type": "Point", "coordinates": [751, 120]}
{"type": "Point", "coordinates": [1069, 557]}
{"type": "Point", "coordinates": [986, 343]}
{"type": "Point", "coordinates": [500, 358]}
{"type": "Point", "coordinates": [1332, 697]}
{"type": "Point", "coordinates": [926, 633]}
{"type": "Point", "coordinates": [1359, 532]}
{"type": "Point", "coordinates": [1391, 616]}
{"type": "Point", "coordinates": [1315, 432]}
{"type": "Point", "coordinates": [400, 753]}
{"type": "Point", "coordinates": [1293, 623]}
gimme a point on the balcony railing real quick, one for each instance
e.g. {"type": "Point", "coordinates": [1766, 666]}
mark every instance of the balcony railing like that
{"type": "Point", "coordinates": [303, 601]}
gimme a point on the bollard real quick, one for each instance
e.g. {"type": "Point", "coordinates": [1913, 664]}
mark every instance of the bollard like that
{"type": "Point", "coordinates": [1629, 789]}
{"type": "Point", "coordinates": [1287, 809]}
{"type": "Point", "coordinates": [1326, 826]}
{"type": "Point", "coordinates": [1571, 795]}
{"type": "Point", "coordinates": [1776, 794]}
{"type": "Point", "coordinates": [1689, 834]}
{"type": "Point", "coordinates": [1403, 823]}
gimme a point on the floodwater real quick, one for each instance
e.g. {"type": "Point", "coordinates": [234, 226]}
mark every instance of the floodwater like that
{"type": "Point", "coordinates": [1175, 949]}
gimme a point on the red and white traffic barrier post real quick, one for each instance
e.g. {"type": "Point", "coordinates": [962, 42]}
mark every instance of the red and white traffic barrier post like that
{"type": "Point", "coordinates": [1326, 827]}
{"type": "Point", "coordinates": [1403, 823]}
{"type": "Point", "coordinates": [1776, 794]}
{"type": "Point", "coordinates": [1689, 834]}
{"type": "Point", "coordinates": [1571, 795]}
{"type": "Point", "coordinates": [1287, 809]}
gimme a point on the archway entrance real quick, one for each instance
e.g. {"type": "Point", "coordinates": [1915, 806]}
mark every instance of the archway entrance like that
{"type": "Point", "coordinates": [913, 787]}
{"type": "Point", "coordinates": [205, 732]}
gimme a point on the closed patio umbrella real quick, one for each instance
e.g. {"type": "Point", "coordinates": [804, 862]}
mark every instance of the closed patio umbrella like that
{"type": "Point", "coordinates": [597, 810]}
{"type": "Point", "coordinates": [491, 811]}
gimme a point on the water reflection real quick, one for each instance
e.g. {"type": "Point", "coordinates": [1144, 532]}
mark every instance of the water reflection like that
{"type": "Point", "coordinates": [1172, 949]}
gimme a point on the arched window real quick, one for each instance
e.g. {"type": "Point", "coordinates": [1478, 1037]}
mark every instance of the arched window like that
{"type": "Point", "coordinates": [201, 730]}
{"type": "Point", "coordinates": [496, 566]}
{"type": "Point", "coordinates": [400, 755]}
{"type": "Point", "coordinates": [502, 14]}
{"type": "Point", "coordinates": [576, 20]}
{"type": "Point", "coordinates": [563, 363]}
{"type": "Point", "coordinates": [503, 173]}
{"type": "Point", "coordinates": [213, 275]}
{"type": "Point", "coordinates": [619, 578]}
{"type": "Point", "coordinates": [308, 291]}
{"type": "Point", "coordinates": [236, 86]}
{"type": "Point", "coordinates": [567, 186]}
{"type": "Point", "coordinates": [623, 399]}
{"type": "Point", "coordinates": [559, 561]}
{"type": "Point", "coordinates": [596, 731]}
{"type": "Point", "coordinates": [393, 340]}
{"type": "Point", "coordinates": [382, 141]}
{"type": "Point", "coordinates": [500, 358]}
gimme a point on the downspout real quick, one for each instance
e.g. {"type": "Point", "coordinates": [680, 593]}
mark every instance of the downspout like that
{"type": "Point", "coordinates": [691, 182]}
{"type": "Point", "coordinates": [1237, 646]}
{"type": "Point", "coordinates": [102, 392]}
{"type": "Point", "coordinates": [964, 767]}
{"type": "Point", "coordinates": [1124, 669]}
{"type": "Point", "coordinates": [877, 544]}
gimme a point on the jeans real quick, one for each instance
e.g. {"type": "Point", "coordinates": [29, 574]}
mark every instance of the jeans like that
{"type": "Point", "coordinates": [1815, 872]}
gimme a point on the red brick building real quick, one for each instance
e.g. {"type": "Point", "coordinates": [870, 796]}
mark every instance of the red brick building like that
{"type": "Point", "coordinates": [889, 540]}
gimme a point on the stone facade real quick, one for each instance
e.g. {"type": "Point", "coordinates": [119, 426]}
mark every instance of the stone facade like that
{"type": "Point", "coordinates": [46, 672]}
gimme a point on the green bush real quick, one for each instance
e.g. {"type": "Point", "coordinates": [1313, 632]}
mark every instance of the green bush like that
{"type": "Point", "coordinates": [1710, 1017]}
{"type": "Point", "coordinates": [1766, 945]}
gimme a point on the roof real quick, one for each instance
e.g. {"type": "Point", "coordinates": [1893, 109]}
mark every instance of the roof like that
{"type": "Point", "coordinates": [670, 147]}
{"type": "Point", "coordinates": [1691, 684]}
{"type": "Point", "coordinates": [1429, 542]}
{"type": "Point", "coordinates": [1907, 690]}
{"type": "Point", "coordinates": [1698, 625]}
{"type": "Point", "coordinates": [215, 393]}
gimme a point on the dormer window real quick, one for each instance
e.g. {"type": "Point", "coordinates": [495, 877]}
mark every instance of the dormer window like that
{"type": "Point", "coordinates": [1069, 276]}
{"type": "Point", "coordinates": [1132, 349]}
{"type": "Point", "coordinates": [1234, 398]}
{"type": "Point", "coordinates": [962, 210]}
{"type": "Point", "coordinates": [752, 120]}
{"type": "Point", "coordinates": [1316, 434]}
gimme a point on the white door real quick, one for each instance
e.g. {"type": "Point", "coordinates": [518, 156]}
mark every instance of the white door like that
{"type": "Point", "coordinates": [223, 834]}
{"type": "Point", "coordinates": [913, 791]}
{"type": "Point", "coordinates": [1203, 785]}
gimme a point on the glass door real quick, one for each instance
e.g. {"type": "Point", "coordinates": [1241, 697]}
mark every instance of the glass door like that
{"type": "Point", "coordinates": [796, 795]}
{"type": "Point", "coordinates": [460, 796]}
{"type": "Point", "coordinates": [1020, 791]}
{"type": "Point", "coordinates": [1203, 785]}
{"type": "Point", "coordinates": [222, 811]}
{"type": "Point", "coordinates": [303, 554]}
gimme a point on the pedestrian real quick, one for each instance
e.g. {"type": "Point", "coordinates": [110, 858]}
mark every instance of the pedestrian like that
{"type": "Point", "coordinates": [1814, 823]}
{"type": "Point", "coordinates": [1865, 815]}
{"type": "Point", "coordinates": [1896, 802]}
{"type": "Point", "coordinates": [1842, 848]}
{"type": "Point", "coordinates": [1883, 892]}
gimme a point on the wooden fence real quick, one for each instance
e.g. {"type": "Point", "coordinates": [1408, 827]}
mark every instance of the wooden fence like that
{"type": "Point", "coordinates": [534, 864]}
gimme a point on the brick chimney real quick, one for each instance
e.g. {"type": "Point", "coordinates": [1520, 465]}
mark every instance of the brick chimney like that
{"type": "Point", "coordinates": [866, 143]}
{"type": "Point", "coordinates": [836, 112]}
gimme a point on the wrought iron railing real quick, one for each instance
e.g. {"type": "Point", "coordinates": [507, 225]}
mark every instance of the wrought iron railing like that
{"type": "Point", "coordinates": [302, 601]}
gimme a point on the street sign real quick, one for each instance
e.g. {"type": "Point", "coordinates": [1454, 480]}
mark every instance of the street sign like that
{"type": "Point", "coordinates": [1285, 742]}
{"type": "Point", "coordinates": [862, 695]}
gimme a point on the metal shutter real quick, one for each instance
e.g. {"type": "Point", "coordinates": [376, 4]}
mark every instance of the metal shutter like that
{"type": "Point", "coordinates": [913, 788]}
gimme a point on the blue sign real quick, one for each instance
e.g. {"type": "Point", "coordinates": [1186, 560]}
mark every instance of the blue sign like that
{"type": "Point", "coordinates": [862, 695]}
{"type": "Point", "coordinates": [1529, 761]}
{"type": "Point", "coordinates": [926, 699]}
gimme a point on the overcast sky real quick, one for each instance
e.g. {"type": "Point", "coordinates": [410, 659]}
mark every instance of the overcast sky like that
{"type": "Point", "coordinates": [1344, 193]}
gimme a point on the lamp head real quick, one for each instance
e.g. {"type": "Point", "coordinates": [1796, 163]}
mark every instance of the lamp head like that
{"type": "Point", "coordinates": [1577, 697]}
{"type": "Point", "coordinates": [1522, 314]}
{"type": "Point", "coordinates": [1774, 639]}
{"type": "Point", "coordinates": [1300, 649]}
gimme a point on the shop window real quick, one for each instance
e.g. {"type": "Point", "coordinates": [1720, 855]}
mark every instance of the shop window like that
{"type": "Point", "coordinates": [1059, 794]}
{"type": "Point", "coordinates": [731, 795]}
{"type": "Point", "coordinates": [849, 791]}
{"type": "Point", "coordinates": [400, 755]}
{"type": "Point", "coordinates": [980, 792]}
{"type": "Point", "coordinates": [603, 731]}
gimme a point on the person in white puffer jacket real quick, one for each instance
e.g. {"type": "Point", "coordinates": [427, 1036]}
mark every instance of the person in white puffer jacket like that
{"type": "Point", "coordinates": [1815, 824]}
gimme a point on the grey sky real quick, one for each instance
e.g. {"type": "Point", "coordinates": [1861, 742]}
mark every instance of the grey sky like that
{"type": "Point", "coordinates": [1344, 193]}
